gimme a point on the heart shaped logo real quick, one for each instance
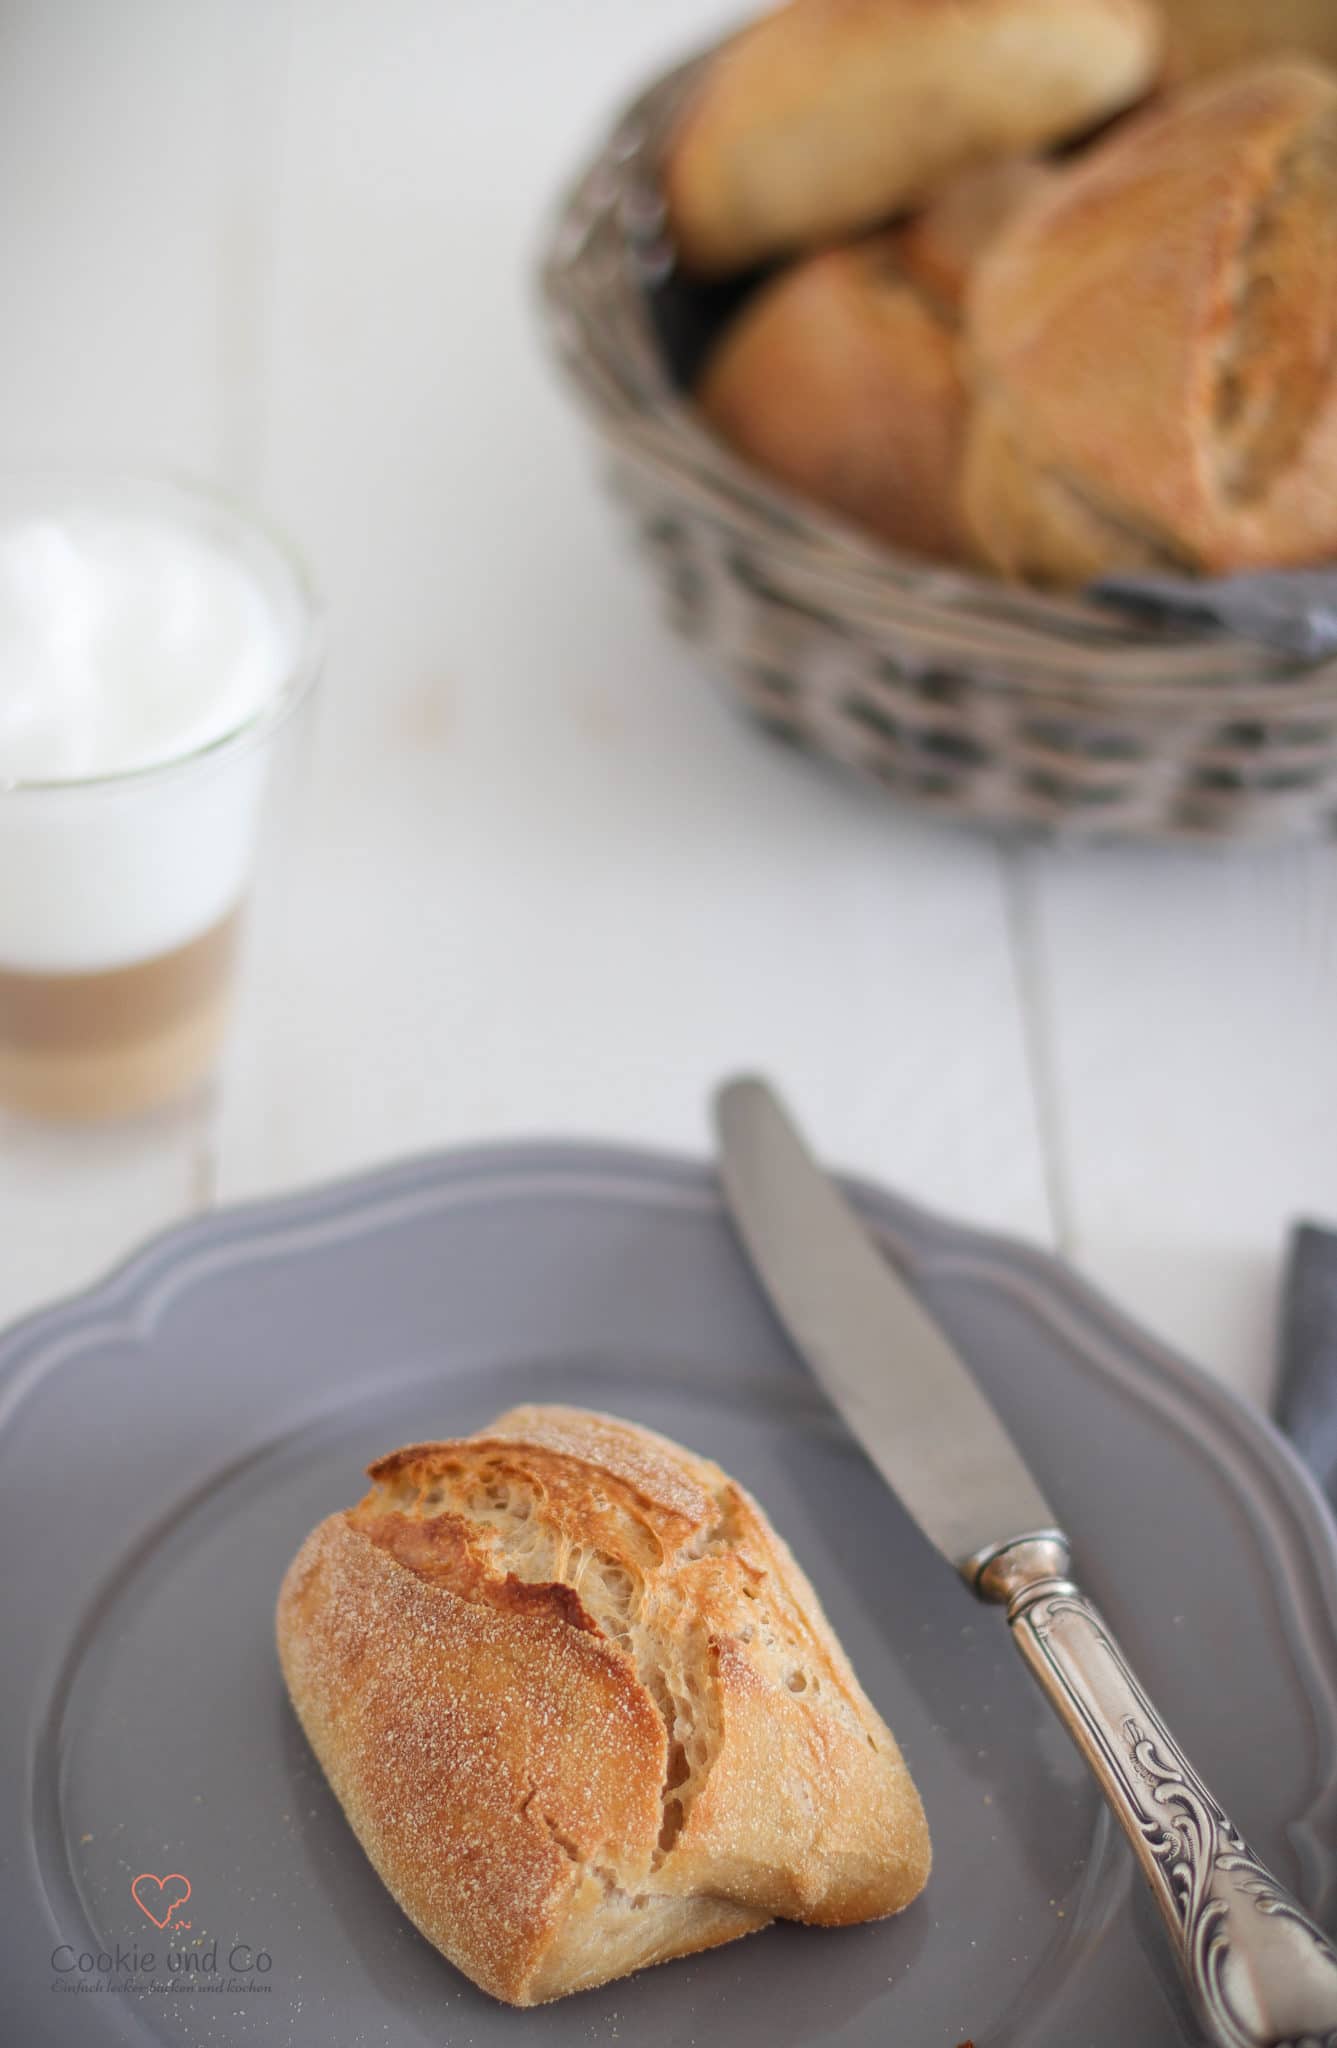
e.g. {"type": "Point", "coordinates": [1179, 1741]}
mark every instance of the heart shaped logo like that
{"type": "Point", "coordinates": [169, 1892]}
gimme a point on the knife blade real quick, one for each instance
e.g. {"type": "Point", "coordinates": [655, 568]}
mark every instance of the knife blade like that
{"type": "Point", "coordinates": [918, 1412]}
{"type": "Point", "coordinates": [1261, 1972]}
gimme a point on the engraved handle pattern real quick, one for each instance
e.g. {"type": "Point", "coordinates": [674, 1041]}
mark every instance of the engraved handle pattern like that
{"type": "Point", "coordinates": [1263, 1974]}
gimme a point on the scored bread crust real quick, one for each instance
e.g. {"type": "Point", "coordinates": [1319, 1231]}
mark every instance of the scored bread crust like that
{"type": "Point", "coordinates": [829, 116]}
{"type": "Point", "coordinates": [583, 1710]}
{"type": "Point", "coordinates": [1154, 345]}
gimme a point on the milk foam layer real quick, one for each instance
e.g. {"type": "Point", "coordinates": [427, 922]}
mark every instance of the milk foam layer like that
{"type": "Point", "coordinates": [125, 641]}
{"type": "Point", "coordinates": [132, 635]}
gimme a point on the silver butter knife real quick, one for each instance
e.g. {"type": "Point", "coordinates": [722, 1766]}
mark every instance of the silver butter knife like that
{"type": "Point", "coordinates": [1261, 1973]}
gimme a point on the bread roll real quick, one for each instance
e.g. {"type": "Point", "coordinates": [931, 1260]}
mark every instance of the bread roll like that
{"type": "Point", "coordinates": [1216, 35]}
{"type": "Point", "coordinates": [1155, 345]}
{"type": "Point", "coordinates": [582, 1708]}
{"type": "Point", "coordinates": [841, 380]}
{"type": "Point", "coordinates": [939, 249]}
{"type": "Point", "coordinates": [831, 115]}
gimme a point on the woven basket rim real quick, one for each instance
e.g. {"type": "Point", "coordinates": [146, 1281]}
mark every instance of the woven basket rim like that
{"type": "Point", "coordinates": [602, 337]}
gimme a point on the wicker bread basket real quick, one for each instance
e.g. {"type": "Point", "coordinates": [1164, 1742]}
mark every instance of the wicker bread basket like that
{"type": "Point", "coordinates": [962, 694]}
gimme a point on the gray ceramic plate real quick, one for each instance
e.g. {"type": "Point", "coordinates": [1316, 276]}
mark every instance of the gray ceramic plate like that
{"type": "Point", "coordinates": [167, 1440]}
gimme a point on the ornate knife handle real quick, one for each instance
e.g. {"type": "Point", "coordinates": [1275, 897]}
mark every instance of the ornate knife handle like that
{"type": "Point", "coordinates": [1261, 1972]}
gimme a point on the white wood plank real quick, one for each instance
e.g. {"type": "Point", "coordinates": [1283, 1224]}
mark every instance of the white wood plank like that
{"type": "Point", "coordinates": [129, 139]}
{"type": "Point", "coordinates": [1192, 1012]}
{"type": "Point", "coordinates": [74, 1202]}
{"type": "Point", "coordinates": [133, 160]}
{"type": "Point", "coordinates": [551, 884]}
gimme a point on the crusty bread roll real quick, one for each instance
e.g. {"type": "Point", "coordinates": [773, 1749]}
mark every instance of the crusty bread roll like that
{"type": "Point", "coordinates": [831, 115]}
{"type": "Point", "coordinates": [841, 380]}
{"type": "Point", "coordinates": [1155, 345]}
{"type": "Point", "coordinates": [1216, 35]}
{"type": "Point", "coordinates": [939, 248]}
{"type": "Point", "coordinates": [584, 1711]}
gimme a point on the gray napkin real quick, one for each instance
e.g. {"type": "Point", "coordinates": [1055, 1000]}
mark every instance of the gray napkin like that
{"type": "Point", "coordinates": [1307, 1401]}
{"type": "Point", "coordinates": [1293, 611]}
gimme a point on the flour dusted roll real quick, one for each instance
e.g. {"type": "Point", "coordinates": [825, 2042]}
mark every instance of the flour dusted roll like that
{"type": "Point", "coordinates": [830, 116]}
{"type": "Point", "coordinates": [583, 1710]}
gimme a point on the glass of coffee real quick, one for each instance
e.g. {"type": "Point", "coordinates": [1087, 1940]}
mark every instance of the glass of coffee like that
{"type": "Point", "coordinates": [155, 644]}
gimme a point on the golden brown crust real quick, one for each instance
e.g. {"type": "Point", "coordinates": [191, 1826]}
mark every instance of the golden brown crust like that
{"type": "Point", "coordinates": [1203, 36]}
{"type": "Point", "coordinates": [830, 116]}
{"type": "Point", "coordinates": [842, 380]}
{"type": "Point", "coordinates": [596, 1721]}
{"type": "Point", "coordinates": [1155, 345]}
{"type": "Point", "coordinates": [940, 248]}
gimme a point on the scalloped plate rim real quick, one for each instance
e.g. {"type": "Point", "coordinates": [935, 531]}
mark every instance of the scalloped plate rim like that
{"type": "Point", "coordinates": [1288, 1512]}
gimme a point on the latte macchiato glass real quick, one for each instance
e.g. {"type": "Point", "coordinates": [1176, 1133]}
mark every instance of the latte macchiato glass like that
{"type": "Point", "coordinates": [154, 646]}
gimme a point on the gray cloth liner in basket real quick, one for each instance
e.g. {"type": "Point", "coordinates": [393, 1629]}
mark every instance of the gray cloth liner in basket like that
{"type": "Point", "coordinates": [1292, 610]}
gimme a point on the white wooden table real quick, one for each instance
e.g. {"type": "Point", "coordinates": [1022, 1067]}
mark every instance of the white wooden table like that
{"type": "Point", "coordinates": [547, 882]}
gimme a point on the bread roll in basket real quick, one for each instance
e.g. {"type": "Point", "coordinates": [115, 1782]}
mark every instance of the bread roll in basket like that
{"type": "Point", "coordinates": [1155, 344]}
{"type": "Point", "coordinates": [829, 116]}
